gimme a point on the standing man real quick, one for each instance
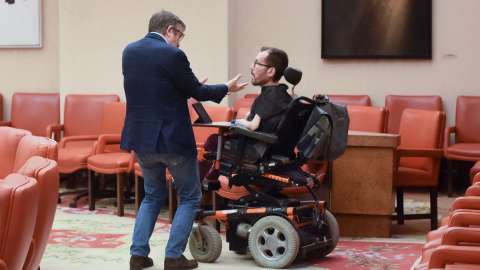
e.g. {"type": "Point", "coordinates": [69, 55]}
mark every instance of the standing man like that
{"type": "Point", "coordinates": [158, 81]}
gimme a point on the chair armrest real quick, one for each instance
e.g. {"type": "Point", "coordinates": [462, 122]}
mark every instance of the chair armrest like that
{"type": "Point", "coordinates": [473, 191]}
{"type": "Point", "coordinates": [53, 131]}
{"type": "Point", "coordinates": [259, 135]}
{"type": "Point", "coordinates": [476, 179]}
{"type": "Point", "coordinates": [455, 235]}
{"type": "Point", "coordinates": [5, 124]}
{"type": "Point", "coordinates": [410, 152]}
{"type": "Point", "coordinates": [63, 142]}
{"type": "Point", "coordinates": [106, 139]}
{"type": "Point", "coordinates": [466, 203]}
{"type": "Point", "coordinates": [464, 219]}
{"type": "Point", "coordinates": [444, 255]}
{"type": "Point", "coordinates": [446, 137]}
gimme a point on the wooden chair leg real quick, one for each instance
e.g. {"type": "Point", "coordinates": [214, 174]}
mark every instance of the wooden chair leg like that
{"type": "Point", "coordinates": [120, 193]}
{"type": "Point", "coordinates": [434, 207]}
{"type": "Point", "coordinates": [400, 210]}
{"type": "Point", "coordinates": [450, 178]}
{"type": "Point", "coordinates": [91, 190]}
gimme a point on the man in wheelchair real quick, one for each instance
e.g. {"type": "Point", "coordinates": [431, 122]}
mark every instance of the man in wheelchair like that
{"type": "Point", "coordinates": [267, 109]}
{"type": "Point", "coordinates": [274, 228]}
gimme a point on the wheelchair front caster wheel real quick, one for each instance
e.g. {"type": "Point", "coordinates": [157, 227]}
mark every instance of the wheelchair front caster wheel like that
{"type": "Point", "coordinates": [205, 244]}
{"type": "Point", "coordinates": [273, 242]}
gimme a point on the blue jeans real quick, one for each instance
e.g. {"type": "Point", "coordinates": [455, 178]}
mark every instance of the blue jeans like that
{"type": "Point", "coordinates": [184, 171]}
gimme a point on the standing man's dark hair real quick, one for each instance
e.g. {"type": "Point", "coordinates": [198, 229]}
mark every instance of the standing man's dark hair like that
{"type": "Point", "coordinates": [158, 81]}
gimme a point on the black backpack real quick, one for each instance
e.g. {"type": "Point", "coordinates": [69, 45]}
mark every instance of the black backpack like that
{"type": "Point", "coordinates": [325, 135]}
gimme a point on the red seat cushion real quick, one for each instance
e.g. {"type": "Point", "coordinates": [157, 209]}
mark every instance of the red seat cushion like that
{"type": "Point", "coordinates": [110, 163]}
{"type": "Point", "coordinates": [464, 151]}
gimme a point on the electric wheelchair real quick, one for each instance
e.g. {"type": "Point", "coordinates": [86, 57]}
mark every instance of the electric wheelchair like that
{"type": "Point", "coordinates": [274, 228]}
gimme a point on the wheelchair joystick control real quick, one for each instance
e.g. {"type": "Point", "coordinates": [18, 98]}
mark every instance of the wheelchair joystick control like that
{"type": "Point", "coordinates": [210, 185]}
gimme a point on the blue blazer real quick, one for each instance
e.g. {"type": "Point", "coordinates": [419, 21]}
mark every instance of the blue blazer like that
{"type": "Point", "coordinates": [158, 81]}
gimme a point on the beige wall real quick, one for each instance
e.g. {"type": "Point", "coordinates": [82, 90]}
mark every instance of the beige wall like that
{"type": "Point", "coordinates": [94, 34]}
{"type": "Point", "coordinates": [84, 40]}
{"type": "Point", "coordinates": [295, 27]}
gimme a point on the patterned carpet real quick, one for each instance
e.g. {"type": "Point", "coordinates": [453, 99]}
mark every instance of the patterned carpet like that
{"type": "Point", "coordinates": [83, 239]}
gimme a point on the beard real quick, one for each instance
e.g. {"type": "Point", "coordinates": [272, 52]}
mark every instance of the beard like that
{"type": "Point", "coordinates": [259, 81]}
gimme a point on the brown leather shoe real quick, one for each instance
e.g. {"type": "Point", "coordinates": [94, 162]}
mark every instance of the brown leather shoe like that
{"type": "Point", "coordinates": [180, 263]}
{"type": "Point", "coordinates": [139, 262]}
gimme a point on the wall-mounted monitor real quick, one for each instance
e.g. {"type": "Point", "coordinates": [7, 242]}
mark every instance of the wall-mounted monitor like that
{"type": "Point", "coordinates": [377, 29]}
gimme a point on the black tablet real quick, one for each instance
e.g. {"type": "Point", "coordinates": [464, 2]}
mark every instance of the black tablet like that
{"type": "Point", "coordinates": [203, 116]}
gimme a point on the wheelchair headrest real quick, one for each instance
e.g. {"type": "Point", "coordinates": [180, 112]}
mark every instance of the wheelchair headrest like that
{"type": "Point", "coordinates": [293, 75]}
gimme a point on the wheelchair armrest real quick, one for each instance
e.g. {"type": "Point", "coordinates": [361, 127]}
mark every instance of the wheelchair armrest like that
{"type": "Point", "coordinates": [259, 135]}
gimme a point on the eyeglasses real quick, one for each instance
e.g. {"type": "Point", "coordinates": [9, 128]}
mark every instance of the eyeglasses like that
{"type": "Point", "coordinates": [181, 33]}
{"type": "Point", "coordinates": [260, 64]}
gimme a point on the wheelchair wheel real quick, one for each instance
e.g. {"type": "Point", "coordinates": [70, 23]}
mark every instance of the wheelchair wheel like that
{"type": "Point", "coordinates": [273, 242]}
{"type": "Point", "coordinates": [209, 248]}
{"type": "Point", "coordinates": [329, 226]}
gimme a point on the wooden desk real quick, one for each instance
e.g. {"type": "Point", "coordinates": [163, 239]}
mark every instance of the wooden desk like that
{"type": "Point", "coordinates": [361, 196]}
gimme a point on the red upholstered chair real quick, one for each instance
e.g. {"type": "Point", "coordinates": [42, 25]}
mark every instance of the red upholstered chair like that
{"type": "Point", "coordinates": [474, 170]}
{"type": "Point", "coordinates": [456, 248]}
{"type": "Point", "coordinates": [81, 128]}
{"type": "Point", "coordinates": [252, 96]}
{"type": "Point", "coordinates": [108, 158]}
{"type": "Point", "coordinates": [466, 146]}
{"type": "Point", "coordinates": [9, 140]}
{"type": "Point", "coordinates": [361, 100]}
{"type": "Point", "coordinates": [470, 204]}
{"type": "Point", "coordinates": [18, 193]}
{"type": "Point", "coordinates": [461, 227]}
{"type": "Point", "coordinates": [242, 112]}
{"type": "Point", "coordinates": [30, 146]}
{"type": "Point", "coordinates": [368, 119]}
{"type": "Point", "coordinates": [419, 153]}
{"type": "Point", "coordinates": [32, 156]}
{"type": "Point", "coordinates": [217, 114]}
{"type": "Point", "coordinates": [17, 146]}
{"type": "Point", "coordinates": [396, 104]}
{"type": "Point", "coordinates": [243, 103]}
{"type": "Point", "coordinates": [34, 112]}
{"type": "Point", "coordinates": [45, 171]}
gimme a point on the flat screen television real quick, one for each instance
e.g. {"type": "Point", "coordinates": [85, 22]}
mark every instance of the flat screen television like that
{"type": "Point", "coordinates": [377, 29]}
